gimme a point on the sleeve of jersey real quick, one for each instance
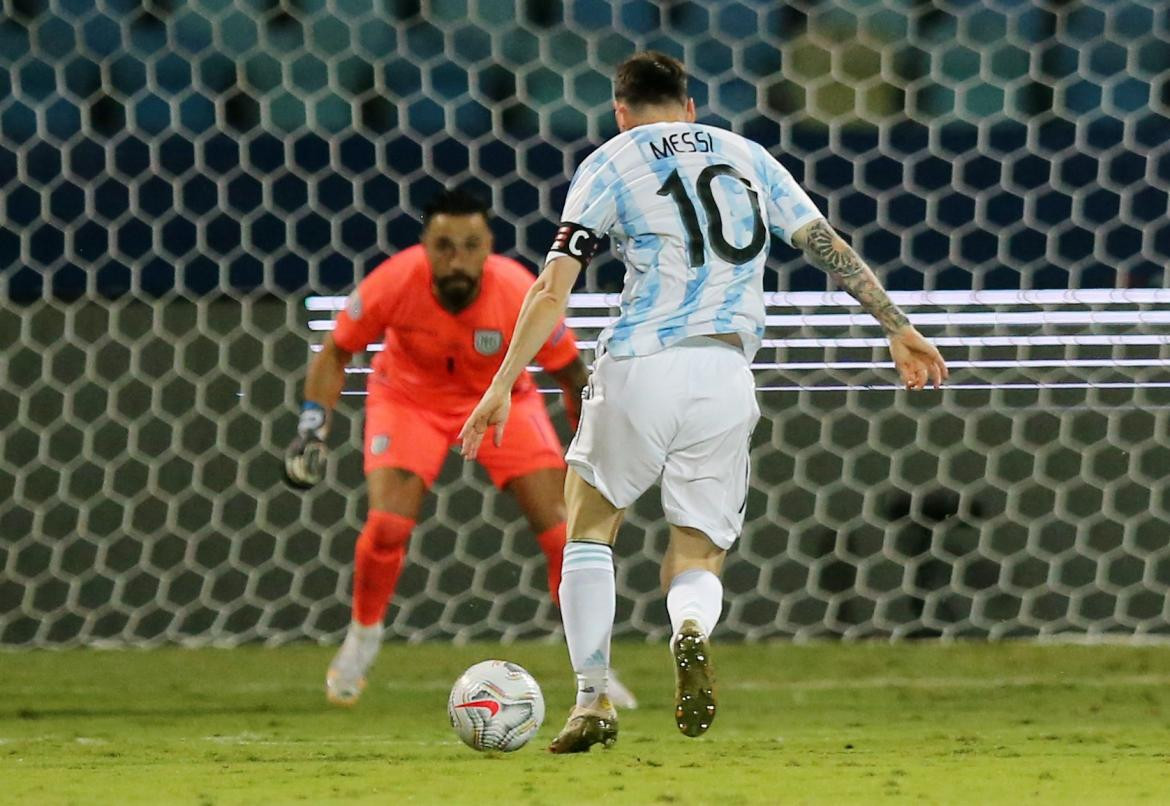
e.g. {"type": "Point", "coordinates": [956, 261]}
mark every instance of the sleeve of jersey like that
{"type": "Point", "coordinates": [360, 322]}
{"type": "Point", "coordinates": [789, 207]}
{"type": "Point", "coordinates": [590, 211]}
{"type": "Point", "coordinates": [560, 349]}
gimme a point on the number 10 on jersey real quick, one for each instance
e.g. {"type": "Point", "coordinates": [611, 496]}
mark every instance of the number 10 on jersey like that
{"type": "Point", "coordinates": [696, 244]}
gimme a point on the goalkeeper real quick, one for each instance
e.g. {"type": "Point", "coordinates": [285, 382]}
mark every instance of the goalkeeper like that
{"type": "Point", "coordinates": [446, 309]}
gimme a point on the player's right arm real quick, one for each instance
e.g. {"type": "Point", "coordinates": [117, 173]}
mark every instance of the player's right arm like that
{"type": "Point", "coordinates": [827, 250]}
{"type": "Point", "coordinates": [361, 321]}
{"type": "Point", "coordinates": [304, 462]}
{"type": "Point", "coordinates": [918, 361]}
{"type": "Point", "coordinates": [794, 218]}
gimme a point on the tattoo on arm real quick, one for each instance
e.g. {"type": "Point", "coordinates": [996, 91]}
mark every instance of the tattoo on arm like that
{"type": "Point", "coordinates": [826, 249]}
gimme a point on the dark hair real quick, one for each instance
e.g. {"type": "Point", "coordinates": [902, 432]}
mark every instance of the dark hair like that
{"type": "Point", "coordinates": [455, 202]}
{"type": "Point", "coordinates": [649, 79]}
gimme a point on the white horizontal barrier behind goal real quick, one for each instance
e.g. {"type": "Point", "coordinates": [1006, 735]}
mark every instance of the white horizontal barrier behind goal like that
{"type": "Point", "coordinates": [1083, 318]}
{"type": "Point", "coordinates": [839, 299]}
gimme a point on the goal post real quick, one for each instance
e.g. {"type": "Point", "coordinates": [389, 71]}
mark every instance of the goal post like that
{"type": "Point", "coordinates": [187, 189]}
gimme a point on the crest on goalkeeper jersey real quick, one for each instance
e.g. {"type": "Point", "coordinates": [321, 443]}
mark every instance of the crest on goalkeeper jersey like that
{"type": "Point", "coordinates": [488, 342]}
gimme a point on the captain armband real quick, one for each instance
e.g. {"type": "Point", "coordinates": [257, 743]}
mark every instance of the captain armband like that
{"type": "Point", "coordinates": [575, 241]}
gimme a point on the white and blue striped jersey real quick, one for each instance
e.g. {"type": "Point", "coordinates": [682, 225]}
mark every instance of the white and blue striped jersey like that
{"type": "Point", "coordinates": [688, 208]}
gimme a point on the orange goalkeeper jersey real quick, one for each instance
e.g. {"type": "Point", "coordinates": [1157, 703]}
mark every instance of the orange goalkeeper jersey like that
{"type": "Point", "coordinates": [440, 360]}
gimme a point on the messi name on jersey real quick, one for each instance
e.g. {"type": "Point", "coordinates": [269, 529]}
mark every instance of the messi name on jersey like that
{"type": "Point", "coordinates": [683, 143]}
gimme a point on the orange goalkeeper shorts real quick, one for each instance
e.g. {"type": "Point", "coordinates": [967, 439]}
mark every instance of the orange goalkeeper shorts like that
{"type": "Point", "coordinates": [411, 437]}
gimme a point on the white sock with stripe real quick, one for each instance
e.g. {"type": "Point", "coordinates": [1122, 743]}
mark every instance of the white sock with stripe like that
{"type": "Point", "coordinates": [696, 594]}
{"type": "Point", "coordinates": [588, 601]}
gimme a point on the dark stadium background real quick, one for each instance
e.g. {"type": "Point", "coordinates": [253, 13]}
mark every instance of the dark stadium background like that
{"type": "Point", "coordinates": [218, 127]}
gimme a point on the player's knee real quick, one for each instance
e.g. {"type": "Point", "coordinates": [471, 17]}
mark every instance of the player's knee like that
{"type": "Point", "coordinates": [386, 531]}
{"type": "Point", "coordinates": [547, 519]}
{"type": "Point", "coordinates": [395, 488]}
{"type": "Point", "coordinates": [693, 545]}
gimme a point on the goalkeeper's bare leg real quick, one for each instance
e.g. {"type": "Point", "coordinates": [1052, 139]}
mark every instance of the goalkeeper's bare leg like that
{"type": "Point", "coordinates": [694, 599]}
{"type": "Point", "coordinates": [587, 610]}
{"type": "Point", "coordinates": [395, 499]}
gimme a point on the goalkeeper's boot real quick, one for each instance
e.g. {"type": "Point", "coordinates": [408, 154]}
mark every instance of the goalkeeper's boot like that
{"type": "Point", "coordinates": [619, 695]}
{"type": "Point", "coordinates": [586, 726]}
{"type": "Point", "coordinates": [694, 699]}
{"type": "Point", "coordinates": [347, 672]}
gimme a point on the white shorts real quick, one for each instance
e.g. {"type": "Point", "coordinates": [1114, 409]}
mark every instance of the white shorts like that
{"type": "Point", "coordinates": [683, 416]}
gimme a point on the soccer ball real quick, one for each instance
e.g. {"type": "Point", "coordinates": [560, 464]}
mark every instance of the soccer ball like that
{"type": "Point", "coordinates": [496, 705]}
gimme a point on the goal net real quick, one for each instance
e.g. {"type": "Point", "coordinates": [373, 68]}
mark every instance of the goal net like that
{"type": "Point", "coordinates": [187, 190]}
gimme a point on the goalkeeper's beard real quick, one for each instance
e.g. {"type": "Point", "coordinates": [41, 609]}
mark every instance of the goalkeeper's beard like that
{"type": "Point", "coordinates": [456, 291]}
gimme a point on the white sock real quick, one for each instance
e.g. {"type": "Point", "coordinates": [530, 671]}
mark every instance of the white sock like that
{"type": "Point", "coordinates": [362, 644]}
{"type": "Point", "coordinates": [363, 632]}
{"type": "Point", "coordinates": [695, 594]}
{"type": "Point", "coordinates": [588, 600]}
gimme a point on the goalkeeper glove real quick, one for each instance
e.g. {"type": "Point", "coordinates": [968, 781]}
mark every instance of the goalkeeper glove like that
{"type": "Point", "coordinates": [304, 462]}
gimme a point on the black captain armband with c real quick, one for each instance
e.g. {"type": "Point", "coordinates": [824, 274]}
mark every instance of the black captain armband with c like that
{"type": "Point", "coordinates": [575, 241]}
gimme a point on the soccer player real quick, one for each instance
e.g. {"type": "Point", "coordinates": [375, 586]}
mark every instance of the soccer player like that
{"type": "Point", "coordinates": [671, 398]}
{"type": "Point", "coordinates": [446, 309]}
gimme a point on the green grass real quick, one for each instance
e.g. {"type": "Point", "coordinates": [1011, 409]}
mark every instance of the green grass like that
{"type": "Point", "coordinates": [797, 724]}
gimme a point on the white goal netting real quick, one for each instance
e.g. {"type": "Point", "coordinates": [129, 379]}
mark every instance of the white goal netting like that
{"type": "Point", "coordinates": [187, 189]}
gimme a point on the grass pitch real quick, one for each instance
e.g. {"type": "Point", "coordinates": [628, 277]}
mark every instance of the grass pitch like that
{"type": "Point", "coordinates": [797, 724]}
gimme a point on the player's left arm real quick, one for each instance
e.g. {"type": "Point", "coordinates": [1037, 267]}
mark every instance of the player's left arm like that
{"type": "Point", "coordinates": [918, 361]}
{"type": "Point", "coordinates": [589, 213]}
{"type": "Point", "coordinates": [544, 306]}
{"type": "Point", "coordinates": [561, 358]}
{"type": "Point", "coordinates": [572, 378]}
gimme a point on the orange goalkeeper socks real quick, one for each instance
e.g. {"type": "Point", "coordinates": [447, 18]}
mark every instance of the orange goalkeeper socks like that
{"type": "Point", "coordinates": [377, 563]}
{"type": "Point", "coordinates": [552, 543]}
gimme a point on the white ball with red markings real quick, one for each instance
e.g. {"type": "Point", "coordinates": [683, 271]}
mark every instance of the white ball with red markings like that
{"type": "Point", "coordinates": [496, 705]}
